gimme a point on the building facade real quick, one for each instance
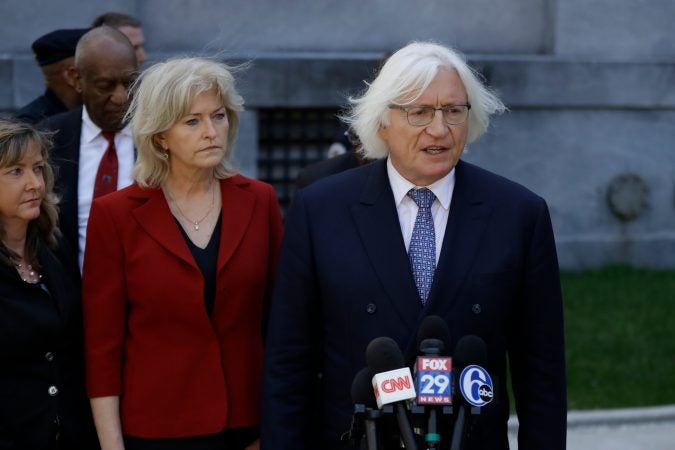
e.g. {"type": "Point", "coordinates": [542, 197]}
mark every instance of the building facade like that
{"type": "Point", "coordinates": [590, 88]}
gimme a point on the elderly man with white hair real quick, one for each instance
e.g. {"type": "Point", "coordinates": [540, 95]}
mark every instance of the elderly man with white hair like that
{"type": "Point", "coordinates": [374, 250]}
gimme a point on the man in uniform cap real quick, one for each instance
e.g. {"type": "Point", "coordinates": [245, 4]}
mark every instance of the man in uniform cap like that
{"type": "Point", "coordinates": [54, 53]}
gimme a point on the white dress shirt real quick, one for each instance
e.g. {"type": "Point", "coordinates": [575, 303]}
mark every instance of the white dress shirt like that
{"type": "Point", "coordinates": [92, 147]}
{"type": "Point", "coordinates": [407, 208]}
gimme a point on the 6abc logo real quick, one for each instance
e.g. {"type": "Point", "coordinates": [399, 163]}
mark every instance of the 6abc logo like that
{"type": "Point", "coordinates": [476, 385]}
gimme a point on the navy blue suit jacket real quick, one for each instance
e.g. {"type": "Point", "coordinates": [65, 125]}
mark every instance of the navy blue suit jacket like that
{"type": "Point", "coordinates": [344, 279]}
{"type": "Point", "coordinates": [46, 105]}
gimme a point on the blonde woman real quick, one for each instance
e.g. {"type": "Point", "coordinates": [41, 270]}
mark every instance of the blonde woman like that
{"type": "Point", "coordinates": [177, 274]}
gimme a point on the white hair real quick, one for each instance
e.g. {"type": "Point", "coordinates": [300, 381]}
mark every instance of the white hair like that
{"type": "Point", "coordinates": [403, 79]}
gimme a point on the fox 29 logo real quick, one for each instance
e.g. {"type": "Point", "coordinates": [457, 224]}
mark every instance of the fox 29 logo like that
{"type": "Point", "coordinates": [433, 380]}
{"type": "Point", "coordinates": [476, 385]}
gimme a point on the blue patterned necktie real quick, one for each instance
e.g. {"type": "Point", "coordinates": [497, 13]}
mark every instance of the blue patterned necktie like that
{"type": "Point", "coordinates": [422, 250]}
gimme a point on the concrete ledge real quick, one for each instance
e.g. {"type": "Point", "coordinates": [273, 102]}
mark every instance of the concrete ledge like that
{"type": "Point", "coordinates": [308, 80]}
{"type": "Point", "coordinates": [637, 252]}
{"type": "Point", "coordinates": [583, 84]}
{"type": "Point", "coordinates": [526, 82]}
{"type": "Point", "coordinates": [613, 417]}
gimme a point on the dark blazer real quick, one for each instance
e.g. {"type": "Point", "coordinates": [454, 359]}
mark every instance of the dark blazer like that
{"type": "Point", "coordinates": [147, 333]}
{"type": "Point", "coordinates": [46, 105]}
{"type": "Point", "coordinates": [327, 167]}
{"type": "Point", "coordinates": [344, 279]}
{"type": "Point", "coordinates": [41, 349]}
{"type": "Point", "coordinates": [65, 158]}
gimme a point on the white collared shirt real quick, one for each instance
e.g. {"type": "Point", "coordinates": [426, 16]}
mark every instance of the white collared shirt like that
{"type": "Point", "coordinates": [92, 147]}
{"type": "Point", "coordinates": [407, 208]}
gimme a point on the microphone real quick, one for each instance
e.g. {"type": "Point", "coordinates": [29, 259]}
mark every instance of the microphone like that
{"type": "Point", "coordinates": [392, 383]}
{"type": "Point", "coordinates": [434, 327]}
{"type": "Point", "coordinates": [433, 370]}
{"type": "Point", "coordinates": [474, 382]}
{"type": "Point", "coordinates": [433, 373]}
{"type": "Point", "coordinates": [364, 412]}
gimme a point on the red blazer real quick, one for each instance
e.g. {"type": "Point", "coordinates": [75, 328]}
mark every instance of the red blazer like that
{"type": "Point", "coordinates": [148, 337]}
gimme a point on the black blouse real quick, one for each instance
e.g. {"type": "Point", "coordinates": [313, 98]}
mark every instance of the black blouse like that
{"type": "Point", "coordinates": [207, 260]}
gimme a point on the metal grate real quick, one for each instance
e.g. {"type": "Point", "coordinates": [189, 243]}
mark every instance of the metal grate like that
{"type": "Point", "coordinates": [290, 139]}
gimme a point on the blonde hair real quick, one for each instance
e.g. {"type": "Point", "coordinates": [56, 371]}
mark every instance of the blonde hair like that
{"type": "Point", "coordinates": [162, 96]}
{"type": "Point", "coordinates": [15, 138]}
{"type": "Point", "coordinates": [402, 79]}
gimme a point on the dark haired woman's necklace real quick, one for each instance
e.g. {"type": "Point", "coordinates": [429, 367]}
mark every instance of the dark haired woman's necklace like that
{"type": "Point", "coordinates": [28, 274]}
{"type": "Point", "coordinates": [195, 223]}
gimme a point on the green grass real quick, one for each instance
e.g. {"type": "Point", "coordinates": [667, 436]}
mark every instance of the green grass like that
{"type": "Point", "coordinates": [620, 337]}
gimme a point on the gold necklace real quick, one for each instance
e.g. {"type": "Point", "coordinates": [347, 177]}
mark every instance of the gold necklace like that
{"type": "Point", "coordinates": [194, 223]}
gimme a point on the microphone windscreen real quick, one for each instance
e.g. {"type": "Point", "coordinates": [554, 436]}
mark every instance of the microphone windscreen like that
{"type": "Point", "coordinates": [383, 355]}
{"type": "Point", "coordinates": [362, 389]}
{"type": "Point", "coordinates": [434, 327]}
{"type": "Point", "coordinates": [470, 350]}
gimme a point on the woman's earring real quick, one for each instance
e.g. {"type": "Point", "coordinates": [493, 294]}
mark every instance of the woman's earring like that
{"type": "Point", "coordinates": [164, 155]}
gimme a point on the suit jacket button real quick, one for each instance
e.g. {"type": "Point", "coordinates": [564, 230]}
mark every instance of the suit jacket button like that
{"type": "Point", "coordinates": [53, 390]}
{"type": "Point", "coordinates": [476, 308]}
{"type": "Point", "coordinates": [49, 356]}
{"type": "Point", "coordinates": [371, 308]}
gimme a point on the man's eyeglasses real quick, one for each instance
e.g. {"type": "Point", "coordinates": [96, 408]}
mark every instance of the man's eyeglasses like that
{"type": "Point", "coordinates": [419, 116]}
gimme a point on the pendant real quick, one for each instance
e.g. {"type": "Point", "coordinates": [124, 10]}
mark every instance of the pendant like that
{"type": "Point", "coordinates": [196, 227]}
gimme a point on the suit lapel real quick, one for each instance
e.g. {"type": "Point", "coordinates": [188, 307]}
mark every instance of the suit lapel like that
{"type": "Point", "coordinates": [155, 217]}
{"type": "Point", "coordinates": [58, 283]}
{"type": "Point", "coordinates": [377, 223]}
{"type": "Point", "coordinates": [467, 221]}
{"type": "Point", "coordinates": [236, 214]}
{"type": "Point", "coordinates": [66, 158]}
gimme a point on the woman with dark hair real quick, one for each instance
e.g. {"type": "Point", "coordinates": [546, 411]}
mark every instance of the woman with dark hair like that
{"type": "Point", "coordinates": [42, 399]}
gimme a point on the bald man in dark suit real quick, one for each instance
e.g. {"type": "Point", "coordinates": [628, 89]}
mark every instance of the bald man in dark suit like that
{"type": "Point", "coordinates": [105, 64]}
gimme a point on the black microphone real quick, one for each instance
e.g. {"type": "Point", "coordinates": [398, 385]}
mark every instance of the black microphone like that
{"type": "Point", "coordinates": [365, 408]}
{"type": "Point", "coordinates": [392, 383]}
{"type": "Point", "coordinates": [434, 327]}
{"type": "Point", "coordinates": [474, 382]}
{"type": "Point", "coordinates": [433, 373]}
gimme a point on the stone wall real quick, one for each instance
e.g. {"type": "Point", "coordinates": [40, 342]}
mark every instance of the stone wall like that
{"type": "Point", "coordinates": [590, 87]}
